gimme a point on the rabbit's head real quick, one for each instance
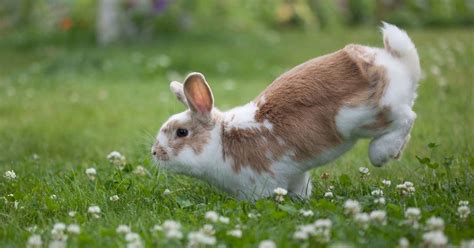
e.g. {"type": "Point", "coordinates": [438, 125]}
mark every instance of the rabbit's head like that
{"type": "Point", "coordinates": [189, 140]}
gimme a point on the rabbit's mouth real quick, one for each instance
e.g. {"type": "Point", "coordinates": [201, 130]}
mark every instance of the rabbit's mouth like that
{"type": "Point", "coordinates": [159, 153]}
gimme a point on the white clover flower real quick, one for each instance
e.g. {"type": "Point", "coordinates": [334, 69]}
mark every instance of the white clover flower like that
{"type": "Point", "coordinates": [34, 241]}
{"type": "Point", "coordinates": [140, 171]}
{"type": "Point", "coordinates": [435, 224]}
{"type": "Point", "coordinates": [57, 244]}
{"type": "Point", "coordinates": [174, 234]}
{"type": "Point", "coordinates": [57, 233]}
{"type": "Point", "coordinates": [435, 239]}
{"type": "Point", "coordinates": [386, 183]}
{"type": "Point", "coordinates": [72, 213]}
{"type": "Point", "coordinates": [364, 171]}
{"type": "Point", "coordinates": [133, 240]}
{"type": "Point", "coordinates": [91, 173]}
{"type": "Point", "coordinates": [362, 220]}
{"type": "Point", "coordinates": [467, 243]}
{"type": "Point", "coordinates": [9, 175]}
{"type": "Point", "coordinates": [280, 194]}
{"type": "Point", "coordinates": [403, 243]}
{"type": "Point", "coordinates": [114, 198]}
{"type": "Point", "coordinates": [123, 229]}
{"type": "Point", "coordinates": [377, 193]}
{"type": "Point", "coordinates": [329, 194]}
{"type": "Point", "coordinates": [463, 212]}
{"type": "Point", "coordinates": [94, 211]}
{"type": "Point", "coordinates": [300, 235]}
{"type": "Point", "coordinates": [211, 216]}
{"type": "Point", "coordinates": [323, 223]}
{"type": "Point", "coordinates": [351, 207]}
{"type": "Point", "coordinates": [379, 217]}
{"type": "Point", "coordinates": [73, 229]}
{"type": "Point", "coordinates": [166, 192]}
{"type": "Point", "coordinates": [208, 229]}
{"type": "Point", "coordinates": [236, 233]}
{"type": "Point", "coordinates": [117, 159]}
{"type": "Point", "coordinates": [198, 238]}
{"type": "Point", "coordinates": [412, 216]}
{"type": "Point", "coordinates": [380, 201]}
{"type": "Point", "coordinates": [224, 220]}
{"type": "Point", "coordinates": [53, 197]}
{"type": "Point", "coordinates": [406, 188]}
{"type": "Point", "coordinates": [171, 225]}
{"type": "Point", "coordinates": [267, 244]}
{"type": "Point", "coordinates": [306, 213]}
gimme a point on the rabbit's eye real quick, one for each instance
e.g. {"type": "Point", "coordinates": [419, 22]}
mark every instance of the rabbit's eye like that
{"type": "Point", "coordinates": [181, 132]}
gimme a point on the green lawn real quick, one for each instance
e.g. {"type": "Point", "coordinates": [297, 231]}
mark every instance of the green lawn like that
{"type": "Point", "coordinates": [63, 108]}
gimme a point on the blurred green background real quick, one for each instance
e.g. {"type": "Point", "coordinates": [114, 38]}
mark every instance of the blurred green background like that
{"type": "Point", "coordinates": [132, 20]}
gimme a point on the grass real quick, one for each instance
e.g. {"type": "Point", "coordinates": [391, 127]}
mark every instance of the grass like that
{"type": "Point", "coordinates": [64, 107]}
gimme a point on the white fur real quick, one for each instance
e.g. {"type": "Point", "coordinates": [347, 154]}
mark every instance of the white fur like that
{"type": "Point", "coordinates": [402, 67]}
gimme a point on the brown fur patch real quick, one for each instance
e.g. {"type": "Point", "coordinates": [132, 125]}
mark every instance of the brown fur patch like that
{"type": "Point", "coordinates": [381, 122]}
{"type": "Point", "coordinates": [303, 102]}
{"type": "Point", "coordinates": [251, 147]}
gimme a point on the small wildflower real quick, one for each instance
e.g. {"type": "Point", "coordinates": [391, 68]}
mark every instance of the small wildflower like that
{"type": "Point", "coordinates": [380, 200]}
{"type": "Point", "coordinates": [199, 238]}
{"type": "Point", "coordinates": [386, 183]}
{"type": "Point", "coordinates": [364, 172]}
{"type": "Point", "coordinates": [211, 216]}
{"type": "Point", "coordinates": [9, 175]}
{"type": "Point", "coordinates": [140, 171]}
{"type": "Point", "coordinates": [73, 229]}
{"type": "Point", "coordinates": [463, 212]}
{"type": "Point", "coordinates": [57, 233]}
{"type": "Point", "coordinates": [34, 241]}
{"type": "Point", "coordinates": [306, 213]}
{"type": "Point", "coordinates": [435, 239]}
{"type": "Point", "coordinates": [133, 240]}
{"type": "Point", "coordinates": [72, 213]}
{"type": "Point", "coordinates": [94, 211]}
{"type": "Point", "coordinates": [403, 243]}
{"type": "Point", "coordinates": [208, 230]}
{"type": "Point", "coordinates": [91, 173]}
{"type": "Point", "coordinates": [362, 219]}
{"type": "Point", "coordinates": [300, 235]}
{"type": "Point", "coordinates": [351, 207]}
{"type": "Point", "coordinates": [267, 244]}
{"type": "Point", "coordinates": [237, 233]}
{"type": "Point", "coordinates": [378, 216]}
{"type": "Point", "coordinates": [114, 198]}
{"type": "Point", "coordinates": [224, 220]}
{"type": "Point", "coordinates": [328, 194]}
{"type": "Point", "coordinates": [117, 159]}
{"type": "Point", "coordinates": [406, 188]}
{"type": "Point", "coordinates": [123, 229]}
{"type": "Point", "coordinates": [435, 224]}
{"type": "Point", "coordinates": [166, 192]}
{"type": "Point", "coordinates": [53, 197]}
{"type": "Point", "coordinates": [377, 193]}
{"type": "Point", "coordinates": [280, 194]}
{"type": "Point", "coordinates": [412, 216]}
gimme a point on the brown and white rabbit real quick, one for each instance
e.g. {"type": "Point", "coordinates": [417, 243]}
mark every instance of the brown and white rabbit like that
{"type": "Point", "coordinates": [307, 117]}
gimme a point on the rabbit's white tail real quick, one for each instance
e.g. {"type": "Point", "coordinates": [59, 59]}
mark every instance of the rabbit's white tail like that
{"type": "Point", "coordinates": [400, 46]}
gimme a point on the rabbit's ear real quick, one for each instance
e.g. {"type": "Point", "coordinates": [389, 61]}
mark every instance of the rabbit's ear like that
{"type": "Point", "coordinates": [177, 89]}
{"type": "Point", "coordinates": [198, 94]}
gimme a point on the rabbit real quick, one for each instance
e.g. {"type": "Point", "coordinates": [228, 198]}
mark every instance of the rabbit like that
{"type": "Point", "coordinates": [307, 117]}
